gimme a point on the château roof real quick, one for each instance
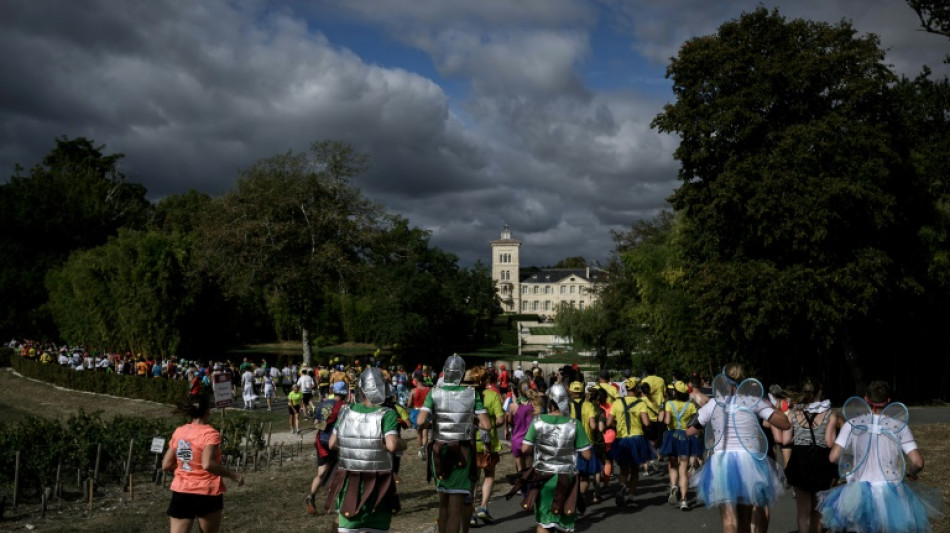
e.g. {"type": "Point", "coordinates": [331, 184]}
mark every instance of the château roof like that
{"type": "Point", "coordinates": [556, 275]}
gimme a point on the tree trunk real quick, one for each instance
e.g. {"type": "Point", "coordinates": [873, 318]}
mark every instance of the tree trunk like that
{"type": "Point", "coordinates": [851, 356]}
{"type": "Point", "coordinates": [305, 336]}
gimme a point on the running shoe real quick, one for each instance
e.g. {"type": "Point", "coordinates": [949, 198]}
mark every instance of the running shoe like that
{"type": "Point", "coordinates": [482, 513]}
{"type": "Point", "coordinates": [422, 453]}
{"type": "Point", "coordinates": [684, 506]}
{"type": "Point", "coordinates": [621, 498]}
{"type": "Point", "coordinates": [674, 495]}
{"type": "Point", "coordinates": [474, 521]}
{"type": "Point", "coordinates": [311, 509]}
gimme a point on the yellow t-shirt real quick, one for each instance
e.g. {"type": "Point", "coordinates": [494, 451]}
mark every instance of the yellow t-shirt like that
{"type": "Point", "coordinates": [587, 411]}
{"type": "Point", "coordinates": [634, 406]}
{"type": "Point", "coordinates": [493, 408]}
{"type": "Point", "coordinates": [657, 389]}
{"type": "Point", "coordinates": [681, 413]}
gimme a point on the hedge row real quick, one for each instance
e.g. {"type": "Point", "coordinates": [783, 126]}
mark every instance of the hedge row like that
{"type": "Point", "coordinates": [161, 390]}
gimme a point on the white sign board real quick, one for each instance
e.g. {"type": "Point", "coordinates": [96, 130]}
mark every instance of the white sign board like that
{"type": "Point", "coordinates": [221, 384]}
{"type": "Point", "coordinates": [158, 445]}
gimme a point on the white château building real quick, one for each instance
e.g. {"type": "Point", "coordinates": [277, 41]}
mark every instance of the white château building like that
{"type": "Point", "coordinates": [539, 292]}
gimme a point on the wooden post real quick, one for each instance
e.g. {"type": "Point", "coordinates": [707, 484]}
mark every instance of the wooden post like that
{"type": "Point", "coordinates": [131, 490]}
{"type": "Point", "coordinates": [281, 455]}
{"type": "Point", "coordinates": [58, 488]}
{"type": "Point", "coordinates": [95, 473]}
{"type": "Point", "coordinates": [44, 501]}
{"type": "Point", "coordinates": [92, 487]}
{"type": "Point", "coordinates": [128, 462]}
{"type": "Point", "coordinates": [16, 479]}
{"type": "Point", "coordinates": [247, 441]}
{"type": "Point", "coordinates": [270, 430]}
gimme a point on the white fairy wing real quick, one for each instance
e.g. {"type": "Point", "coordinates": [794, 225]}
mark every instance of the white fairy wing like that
{"type": "Point", "coordinates": [749, 432]}
{"type": "Point", "coordinates": [716, 426]}
{"type": "Point", "coordinates": [890, 457]}
{"type": "Point", "coordinates": [893, 420]}
{"type": "Point", "coordinates": [723, 388]}
{"type": "Point", "coordinates": [749, 393]}
{"type": "Point", "coordinates": [855, 451]}
{"type": "Point", "coordinates": [895, 417]}
{"type": "Point", "coordinates": [855, 408]}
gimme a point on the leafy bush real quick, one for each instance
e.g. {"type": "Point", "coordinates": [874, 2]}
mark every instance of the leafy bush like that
{"type": "Point", "coordinates": [159, 390]}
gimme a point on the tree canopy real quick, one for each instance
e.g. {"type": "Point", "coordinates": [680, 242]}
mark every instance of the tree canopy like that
{"type": "Point", "coordinates": [801, 199]}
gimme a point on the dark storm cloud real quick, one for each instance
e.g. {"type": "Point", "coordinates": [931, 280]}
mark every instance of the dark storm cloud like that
{"type": "Point", "coordinates": [192, 92]}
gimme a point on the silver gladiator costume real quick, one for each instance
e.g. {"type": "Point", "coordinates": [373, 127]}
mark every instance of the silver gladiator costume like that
{"type": "Point", "coordinates": [364, 464]}
{"type": "Point", "coordinates": [554, 455]}
{"type": "Point", "coordinates": [453, 422]}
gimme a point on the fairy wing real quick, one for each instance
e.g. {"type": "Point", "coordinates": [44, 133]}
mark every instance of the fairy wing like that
{"type": "Point", "coordinates": [722, 388]}
{"type": "Point", "coordinates": [893, 420]}
{"type": "Point", "coordinates": [745, 421]}
{"type": "Point", "coordinates": [716, 427]}
{"type": "Point", "coordinates": [855, 451]}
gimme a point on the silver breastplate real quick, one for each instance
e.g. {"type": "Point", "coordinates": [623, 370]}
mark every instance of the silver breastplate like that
{"type": "Point", "coordinates": [454, 413]}
{"type": "Point", "coordinates": [554, 447]}
{"type": "Point", "coordinates": [360, 441]}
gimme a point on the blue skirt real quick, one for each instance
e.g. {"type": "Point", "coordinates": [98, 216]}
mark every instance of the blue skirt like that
{"type": "Point", "coordinates": [866, 507]}
{"type": "Point", "coordinates": [632, 451]}
{"type": "Point", "coordinates": [737, 478]}
{"type": "Point", "coordinates": [589, 467]}
{"type": "Point", "coordinates": [677, 444]}
{"type": "Point", "coordinates": [413, 415]}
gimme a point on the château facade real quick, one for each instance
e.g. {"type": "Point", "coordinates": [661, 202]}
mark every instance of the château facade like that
{"type": "Point", "coordinates": [538, 292]}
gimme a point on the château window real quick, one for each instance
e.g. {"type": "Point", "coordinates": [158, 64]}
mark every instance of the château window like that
{"type": "Point", "coordinates": [547, 290]}
{"type": "Point", "coordinates": [524, 289]}
{"type": "Point", "coordinates": [563, 289]}
{"type": "Point", "coordinates": [536, 289]}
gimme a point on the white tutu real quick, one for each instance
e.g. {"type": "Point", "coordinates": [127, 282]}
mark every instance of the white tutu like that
{"type": "Point", "coordinates": [735, 477]}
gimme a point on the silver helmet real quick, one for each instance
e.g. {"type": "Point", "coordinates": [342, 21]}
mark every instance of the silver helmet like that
{"type": "Point", "coordinates": [558, 394]}
{"type": "Point", "coordinates": [454, 370]}
{"type": "Point", "coordinates": [373, 386]}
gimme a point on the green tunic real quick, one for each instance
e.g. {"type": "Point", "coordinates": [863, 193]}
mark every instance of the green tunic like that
{"type": "Point", "coordinates": [459, 480]}
{"type": "Point", "coordinates": [368, 520]}
{"type": "Point", "coordinates": [542, 506]}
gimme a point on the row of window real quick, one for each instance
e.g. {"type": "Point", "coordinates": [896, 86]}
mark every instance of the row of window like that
{"type": "Point", "coordinates": [536, 289]}
{"type": "Point", "coordinates": [506, 275]}
{"type": "Point", "coordinates": [547, 305]}
{"type": "Point", "coordinates": [504, 258]}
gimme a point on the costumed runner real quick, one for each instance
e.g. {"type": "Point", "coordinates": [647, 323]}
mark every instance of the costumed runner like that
{"type": "Point", "coordinates": [739, 475]}
{"type": "Point", "coordinates": [556, 441]}
{"type": "Point", "coordinates": [870, 453]}
{"type": "Point", "coordinates": [676, 445]}
{"type": "Point", "coordinates": [586, 413]}
{"type": "Point", "coordinates": [453, 409]}
{"type": "Point", "coordinates": [363, 487]}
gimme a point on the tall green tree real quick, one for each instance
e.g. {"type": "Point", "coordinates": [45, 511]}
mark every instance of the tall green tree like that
{"type": "Point", "coordinates": [130, 293]}
{"type": "Point", "coordinates": [648, 282]}
{"type": "Point", "coordinates": [802, 205]}
{"type": "Point", "coordinates": [74, 199]}
{"type": "Point", "coordinates": [294, 228]}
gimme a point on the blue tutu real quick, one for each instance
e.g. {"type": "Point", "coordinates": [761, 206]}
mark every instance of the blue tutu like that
{"type": "Point", "coordinates": [677, 444]}
{"type": "Point", "coordinates": [867, 507]}
{"type": "Point", "coordinates": [590, 466]}
{"type": "Point", "coordinates": [632, 451]}
{"type": "Point", "coordinates": [735, 477]}
{"type": "Point", "coordinates": [413, 415]}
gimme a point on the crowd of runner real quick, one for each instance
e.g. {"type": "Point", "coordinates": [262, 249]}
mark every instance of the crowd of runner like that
{"type": "Point", "coordinates": [576, 441]}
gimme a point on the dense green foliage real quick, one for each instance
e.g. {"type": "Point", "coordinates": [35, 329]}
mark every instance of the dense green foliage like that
{"type": "Point", "coordinates": [806, 188]}
{"type": "Point", "coordinates": [168, 391]}
{"type": "Point", "coordinates": [72, 445]}
{"type": "Point", "coordinates": [75, 199]}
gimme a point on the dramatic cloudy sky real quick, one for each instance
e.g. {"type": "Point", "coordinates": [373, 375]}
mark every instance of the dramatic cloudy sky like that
{"type": "Point", "coordinates": [476, 113]}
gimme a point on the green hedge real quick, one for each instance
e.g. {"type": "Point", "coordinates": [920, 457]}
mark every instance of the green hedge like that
{"type": "Point", "coordinates": [6, 355]}
{"type": "Point", "coordinates": [170, 391]}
